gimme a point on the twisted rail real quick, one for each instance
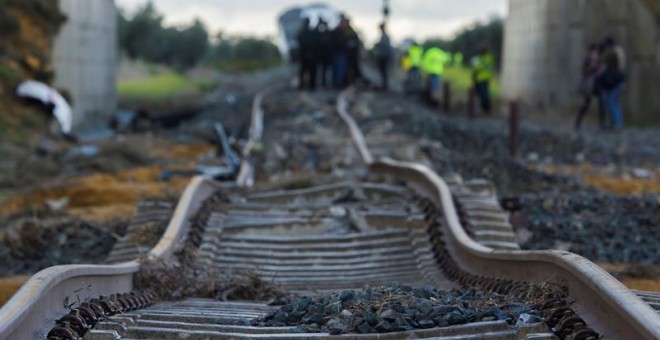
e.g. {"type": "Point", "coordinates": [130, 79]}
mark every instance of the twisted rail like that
{"type": "Point", "coordinates": [40, 301]}
{"type": "Point", "coordinates": [607, 305]}
{"type": "Point", "coordinates": [601, 300]}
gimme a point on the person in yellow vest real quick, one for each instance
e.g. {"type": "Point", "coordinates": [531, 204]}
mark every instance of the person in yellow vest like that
{"type": "Point", "coordinates": [433, 63]}
{"type": "Point", "coordinates": [414, 61]}
{"type": "Point", "coordinates": [483, 69]}
{"type": "Point", "coordinates": [405, 63]}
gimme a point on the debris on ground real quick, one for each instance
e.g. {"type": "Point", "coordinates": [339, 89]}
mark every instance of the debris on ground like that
{"type": "Point", "coordinates": [28, 30]}
{"type": "Point", "coordinates": [38, 239]}
{"type": "Point", "coordinates": [304, 137]}
{"type": "Point", "coordinates": [579, 177]}
{"type": "Point", "coordinates": [395, 307]}
{"type": "Point", "coordinates": [174, 280]}
{"type": "Point", "coordinates": [99, 181]}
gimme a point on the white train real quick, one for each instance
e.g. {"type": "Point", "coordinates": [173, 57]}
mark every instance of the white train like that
{"type": "Point", "coordinates": [290, 23]}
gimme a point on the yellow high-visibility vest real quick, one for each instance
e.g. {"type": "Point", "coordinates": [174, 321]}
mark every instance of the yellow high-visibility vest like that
{"type": "Point", "coordinates": [415, 53]}
{"type": "Point", "coordinates": [434, 61]}
{"type": "Point", "coordinates": [405, 63]}
{"type": "Point", "coordinates": [484, 67]}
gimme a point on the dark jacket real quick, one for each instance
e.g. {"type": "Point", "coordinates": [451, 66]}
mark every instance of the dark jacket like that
{"type": "Point", "coordinates": [306, 43]}
{"type": "Point", "coordinates": [345, 40]}
{"type": "Point", "coordinates": [384, 48]}
{"type": "Point", "coordinates": [324, 45]}
{"type": "Point", "coordinates": [614, 62]}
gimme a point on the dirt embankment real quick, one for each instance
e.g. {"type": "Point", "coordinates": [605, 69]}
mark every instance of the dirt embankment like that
{"type": "Point", "coordinates": [28, 28]}
{"type": "Point", "coordinates": [78, 209]}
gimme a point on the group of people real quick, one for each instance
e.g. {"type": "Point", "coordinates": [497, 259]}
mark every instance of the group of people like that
{"type": "Point", "coordinates": [429, 65]}
{"type": "Point", "coordinates": [335, 51]}
{"type": "Point", "coordinates": [603, 78]}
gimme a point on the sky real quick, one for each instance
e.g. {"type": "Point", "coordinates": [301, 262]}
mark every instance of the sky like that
{"type": "Point", "coordinates": [418, 19]}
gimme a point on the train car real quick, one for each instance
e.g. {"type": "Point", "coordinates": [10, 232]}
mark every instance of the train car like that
{"type": "Point", "coordinates": [290, 23]}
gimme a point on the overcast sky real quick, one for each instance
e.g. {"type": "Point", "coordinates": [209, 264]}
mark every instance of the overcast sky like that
{"type": "Point", "coordinates": [409, 18]}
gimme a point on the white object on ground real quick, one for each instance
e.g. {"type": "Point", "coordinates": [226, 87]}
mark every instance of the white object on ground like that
{"type": "Point", "coordinates": [642, 173]}
{"type": "Point", "coordinates": [48, 95]}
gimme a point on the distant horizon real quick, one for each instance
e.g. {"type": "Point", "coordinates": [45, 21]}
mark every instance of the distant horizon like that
{"type": "Point", "coordinates": [417, 19]}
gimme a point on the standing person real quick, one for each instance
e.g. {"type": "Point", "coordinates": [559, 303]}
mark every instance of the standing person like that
{"type": "Point", "coordinates": [415, 53]}
{"type": "Point", "coordinates": [384, 56]}
{"type": "Point", "coordinates": [433, 63]}
{"type": "Point", "coordinates": [354, 44]}
{"type": "Point", "coordinates": [613, 80]}
{"type": "Point", "coordinates": [591, 69]}
{"type": "Point", "coordinates": [483, 65]}
{"type": "Point", "coordinates": [306, 41]}
{"type": "Point", "coordinates": [340, 56]}
{"type": "Point", "coordinates": [324, 51]}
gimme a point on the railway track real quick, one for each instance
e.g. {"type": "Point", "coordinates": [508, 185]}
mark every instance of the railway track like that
{"type": "Point", "coordinates": [401, 223]}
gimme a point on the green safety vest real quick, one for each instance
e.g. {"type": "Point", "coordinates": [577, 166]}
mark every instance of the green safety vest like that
{"type": "Point", "coordinates": [434, 61]}
{"type": "Point", "coordinates": [484, 67]}
{"type": "Point", "coordinates": [415, 55]}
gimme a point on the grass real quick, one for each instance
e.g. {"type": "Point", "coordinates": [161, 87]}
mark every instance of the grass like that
{"type": "Point", "coordinates": [247, 66]}
{"type": "Point", "coordinates": [161, 86]}
{"type": "Point", "coordinates": [460, 79]}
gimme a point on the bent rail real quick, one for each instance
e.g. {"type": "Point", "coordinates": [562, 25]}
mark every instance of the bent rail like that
{"type": "Point", "coordinates": [602, 301]}
{"type": "Point", "coordinates": [40, 301]}
{"type": "Point", "coordinates": [356, 134]}
{"type": "Point", "coordinates": [246, 174]}
{"type": "Point", "coordinates": [42, 297]}
{"type": "Point", "coordinates": [605, 303]}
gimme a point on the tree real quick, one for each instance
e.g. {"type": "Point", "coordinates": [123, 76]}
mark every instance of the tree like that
{"type": "Point", "coordinates": [144, 37]}
{"type": "Point", "coordinates": [141, 33]}
{"type": "Point", "coordinates": [192, 45]}
{"type": "Point", "coordinates": [470, 39]}
{"type": "Point", "coordinates": [243, 53]}
{"type": "Point", "coordinates": [255, 49]}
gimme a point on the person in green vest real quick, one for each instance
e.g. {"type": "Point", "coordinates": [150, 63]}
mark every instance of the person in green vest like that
{"type": "Point", "coordinates": [433, 63]}
{"type": "Point", "coordinates": [483, 70]}
{"type": "Point", "coordinates": [415, 54]}
{"type": "Point", "coordinates": [458, 59]}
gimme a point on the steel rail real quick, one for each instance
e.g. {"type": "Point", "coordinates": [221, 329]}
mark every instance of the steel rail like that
{"type": "Point", "coordinates": [40, 301]}
{"type": "Point", "coordinates": [246, 174]}
{"type": "Point", "coordinates": [605, 303]}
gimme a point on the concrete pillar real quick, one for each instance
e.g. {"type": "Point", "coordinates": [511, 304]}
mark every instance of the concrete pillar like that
{"type": "Point", "coordinates": [85, 57]}
{"type": "Point", "coordinates": [545, 41]}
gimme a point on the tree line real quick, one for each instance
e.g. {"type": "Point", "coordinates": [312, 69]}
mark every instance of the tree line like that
{"type": "Point", "coordinates": [468, 41]}
{"type": "Point", "coordinates": [144, 36]}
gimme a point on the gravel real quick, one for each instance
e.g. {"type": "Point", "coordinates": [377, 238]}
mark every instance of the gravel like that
{"type": "Point", "coordinates": [598, 226]}
{"type": "Point", "coordinates": [395, 307]}
{"type": "Point", "coordinates": [304, 138]}
{"type": "Point", "coordinates": [558, 211]}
